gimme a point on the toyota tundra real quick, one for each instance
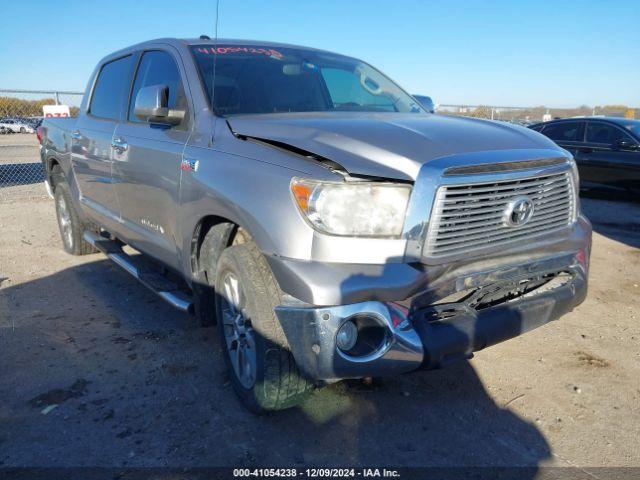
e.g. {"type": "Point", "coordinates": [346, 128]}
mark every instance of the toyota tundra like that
{"type": "Point", "coordinates": [312, 209]}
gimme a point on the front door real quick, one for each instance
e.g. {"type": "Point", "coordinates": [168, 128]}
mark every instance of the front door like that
{"type": "Point", "coordinates": [91, 150]}
{"type": "Point", "coordinates": [147, 162]}
{"type": "Point", "coordinates": [603, 161]}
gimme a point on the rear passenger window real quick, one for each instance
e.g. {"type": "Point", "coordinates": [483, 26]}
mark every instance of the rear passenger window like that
{"type": "Point", "coordinates": [158, 68]}
{"type": "Point", "coordinates": [111, 87]}
{"type": "Point", "coordinates": [604, 133]}
{"type": "Point", "coordinates": [565, 131]}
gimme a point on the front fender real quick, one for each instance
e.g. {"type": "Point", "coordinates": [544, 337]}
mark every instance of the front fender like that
{"type": "Point", "coordinates": [250, 193]}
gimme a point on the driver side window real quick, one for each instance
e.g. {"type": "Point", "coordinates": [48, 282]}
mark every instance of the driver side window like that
{"type": "Point", "coordinates": [158, 68]}
{"type": "Point", "coordinates": [599, 132]}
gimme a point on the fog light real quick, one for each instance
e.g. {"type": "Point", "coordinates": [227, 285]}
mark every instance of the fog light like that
{"type": "Point", "coordinates": [347, 336]}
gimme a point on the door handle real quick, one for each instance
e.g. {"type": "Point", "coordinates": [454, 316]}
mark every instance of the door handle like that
{"type": "Point", "coordinates": [119, 144]}
{"type": "Point", "coordinates": [585, 149]}
{"type": "Point", "coordinates": [76, 135]}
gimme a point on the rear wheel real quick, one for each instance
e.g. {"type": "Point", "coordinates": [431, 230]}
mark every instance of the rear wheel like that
{"type": "Point", "coordinates": [71, 227]}
{"type": "Point", "coordinates": [263, 372]}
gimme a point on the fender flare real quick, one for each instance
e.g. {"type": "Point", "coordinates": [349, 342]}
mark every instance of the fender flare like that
{"type": "Point", "coordinates": [211, 236]}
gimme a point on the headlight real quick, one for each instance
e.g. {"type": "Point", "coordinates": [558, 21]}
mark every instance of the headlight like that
{"type": "Point", "coordinates": [364, 209]}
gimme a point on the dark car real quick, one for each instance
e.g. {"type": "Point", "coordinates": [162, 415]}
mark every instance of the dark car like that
{"type": "Point", "coordinates": [606, 149]}
{"type": "Point", "coordinates": [426, 102]}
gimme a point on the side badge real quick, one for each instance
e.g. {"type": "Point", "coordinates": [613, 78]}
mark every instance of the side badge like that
{"type": "Point", "coordinates": [189, 164]}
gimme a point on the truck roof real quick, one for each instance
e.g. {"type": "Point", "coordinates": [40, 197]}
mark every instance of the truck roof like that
{"type": "Point", "coordinates": [182, 42]}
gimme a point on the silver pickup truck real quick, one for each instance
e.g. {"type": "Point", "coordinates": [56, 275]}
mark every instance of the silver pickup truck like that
{"type": "Point", "coordinates": [310, 207]}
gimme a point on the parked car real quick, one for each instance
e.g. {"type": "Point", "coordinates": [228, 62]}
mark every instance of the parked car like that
{"type": "Point", "coordinates": [16, 126]}
{"type": "Point", "coordinates": [606, 149]}
{"type": "Point", "coordinates": [302, 200]}
{"type": "Point", "coordinates": [33, 122]}
{"type": "Point", "coordinates": [426, 102]}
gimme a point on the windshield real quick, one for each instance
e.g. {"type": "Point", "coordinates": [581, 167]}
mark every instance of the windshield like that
{"type": "Point", "coordinates": [258, 79]}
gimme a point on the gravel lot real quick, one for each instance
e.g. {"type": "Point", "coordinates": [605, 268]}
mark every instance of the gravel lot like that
{"type": "Point", "coordinates": [96, 371]}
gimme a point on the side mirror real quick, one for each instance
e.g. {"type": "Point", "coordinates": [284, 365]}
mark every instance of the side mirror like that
{"type": "Point", "coordinates": [152, 106]}
{"type": "Point", "coordinates": [426, 103]}
{"type": "Point", "coordinates": [625, 145]}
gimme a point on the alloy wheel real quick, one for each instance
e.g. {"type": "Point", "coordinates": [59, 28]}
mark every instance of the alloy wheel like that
{"type": "Point", "coordinates": [64, 220]}
{"type": "Point", "coordinates": [239, 336]}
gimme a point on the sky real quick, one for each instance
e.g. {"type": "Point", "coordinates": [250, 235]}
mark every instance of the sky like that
{"type": "Point", "coordinates": [558, 53]}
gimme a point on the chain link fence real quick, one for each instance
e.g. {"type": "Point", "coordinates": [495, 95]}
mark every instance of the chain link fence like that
{"type": "Point", "coordinates": [21, 112]}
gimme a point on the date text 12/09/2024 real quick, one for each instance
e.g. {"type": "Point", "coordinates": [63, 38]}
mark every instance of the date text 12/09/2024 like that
{"type": "Point", "coordinates": [316, 472]}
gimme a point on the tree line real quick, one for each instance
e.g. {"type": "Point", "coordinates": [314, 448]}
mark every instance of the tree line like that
{"type": "Point", "coordinates": [19, 107]}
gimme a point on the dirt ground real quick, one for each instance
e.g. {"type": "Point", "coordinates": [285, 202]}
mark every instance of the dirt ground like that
{"type": "Point", "coordinates": [97, 371]}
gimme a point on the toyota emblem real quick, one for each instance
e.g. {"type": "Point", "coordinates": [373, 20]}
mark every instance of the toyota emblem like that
{"type": "Point", "coordinates": [518, 212]}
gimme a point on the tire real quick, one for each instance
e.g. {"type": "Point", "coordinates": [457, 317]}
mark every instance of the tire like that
{"type": "Point", "coordinates": [273, 380]}
{"type": "Point", "coordinates": [214, 242]}
{"type": "Point", "coordinates": [23, 130]}
{"type": "Point", "coordinates": [71, 227]}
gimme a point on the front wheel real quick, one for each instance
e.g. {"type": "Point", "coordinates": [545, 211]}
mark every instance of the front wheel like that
{"type": "Point", "coordinates": [263, 372]}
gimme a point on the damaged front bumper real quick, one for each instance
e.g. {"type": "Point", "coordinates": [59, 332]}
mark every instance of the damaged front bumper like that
{"type": "Point", "coordinates": [423, 333]}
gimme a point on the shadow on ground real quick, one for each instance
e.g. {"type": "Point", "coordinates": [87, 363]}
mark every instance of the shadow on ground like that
{"type": "Point", "coordinates": [97, 371]}
{"type": "Point", "coordinates": [613, 216]}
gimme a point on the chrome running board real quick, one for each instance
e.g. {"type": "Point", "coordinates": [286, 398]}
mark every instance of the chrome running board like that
{"type": "Point", "coordinates": [156, 282]}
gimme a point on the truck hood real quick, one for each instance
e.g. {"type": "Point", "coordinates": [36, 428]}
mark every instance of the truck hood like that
{"type": "Point", "coordinates": [385, 145]}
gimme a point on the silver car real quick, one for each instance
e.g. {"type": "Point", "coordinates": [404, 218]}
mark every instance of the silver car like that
{"type": "Point", "coordinates": [10, 125]}
{"type": "Point", "coordinates": [309, 206]}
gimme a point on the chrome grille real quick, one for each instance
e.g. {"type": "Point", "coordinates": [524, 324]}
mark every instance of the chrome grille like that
{"type": "Point", "coordinates": [472, 216]}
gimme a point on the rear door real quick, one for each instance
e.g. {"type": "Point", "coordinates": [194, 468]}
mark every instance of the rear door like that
{"type": "Point", "coordinates": [604, 161]}
{"type": "Point", "coordinates": [569, 135]}
{"type": "Point", "coordinates": [91, 151]}
{"type": "Point", "coordinates": [147, 165]}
